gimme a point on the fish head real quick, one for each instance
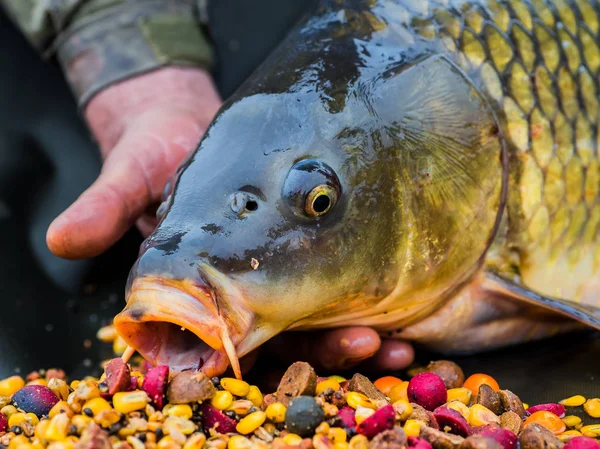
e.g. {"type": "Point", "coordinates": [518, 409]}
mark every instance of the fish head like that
{"type": "Point", "coordinates": [360, 200]}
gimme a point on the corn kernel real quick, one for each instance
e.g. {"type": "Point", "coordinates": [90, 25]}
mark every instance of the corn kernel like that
{"type": "Point", "coordinates": [136, 443]}
{"type": "Point", "coordinates": [119, 346]}
{"type": "Point", "coordinates": [292, 439]}
{"type": "Point", "coordinates": [180, 410]}
{"type": "Point", "coordinates": [81, 422]}
{"type": "Point", "coordinates": [403, 409]}
{"type": "Point", "coordinates": [329, 383]}
{"type": "Point", "coordinates": [174, 424]}
{"type": "Point", "coordinates": [18, 441]}
{"type": "Point", "coordinates": [241, 406]}
{"type": "Point", "coordinates": [460, 394]}
{"type": "Point", "coordinates": [16, 419]}
{"type": "Point", "coordinates": [8, 410]}
{"type": "Point", "coordinates": [74, 384]}
{"type": "Point", "coordinates": [276, 412]}
{"type": "Point", "coordinates": [481, 416]}
{"type": "Point", "coordinates": [355, 399]}
{"type": "Point", "coordinates": [235, 386]}
{"type": "Point", "coordinates": [130, 401]}
{"type": "Point", "coordinates": [60, 388]}
{"type": "Point", "coordinates": [250, 423]}
{"type": "Point", "coordinates": [36, 444]}
{"type": "Point", "coordinates": [195, 441]}
{"type": "Point", "coordinates": [340, 445]}
{"type": "Point", "coordinates": [239, 442]}
{"type": "Point", "coordinates": [593, 430]}
{"type": "Point", "coordinates": [566, 436]}
{"type": "Point", "coordinates": [222, 400]}
{"type": "Point", "coordinates": [255, 396]}
{"type": "Point", "coordinates": [338, 379]}
{"type": "Point", "coordinates": [573, 401]}
{"type": "Point", "coordinates": [412, 428]}
{"type": "Point", "coordinates": [60, 407]}
{"type": "Point", "coordinates": [398, 392]}
{"type": "Point", "coordinates": [358, 442]}
{"type": "Point", "coordinates": [571, 420]}
{"type": "Point", "coordinates": [4, 400]}
{"type": "Point", "coordinates": [592, 407]}
{"type": "Point", "coordinates": [459, 407]}
{"type": "Point", "coordinates": [362, 413]}
{"type": "Point", "coordinates": [167, 442]}
{"type": "Point", "coordinates": [322, 428]}
{"type": "Point", "coordinates": [107, 334]}
{"type": "Point", "coordinates": [41, 381]}
{"type": "Point", "coordinates": [57, 429]}
{"type": "Point", "coordinates": [321, 442]}
{"type": "Point", "coordinates": [40, 430]}
{"type": "Point", "coordinates": [525, 405]}
{"type": "Point", "coordinates": [96, 405]}
{"type": "Point", "coordinates": [32, 418]}
{"type": "Point", "coordinates": [11, 385]}
{"type": "Point", "coordinates": [107, 418]}
{"type": "Point", "coordinates": [337, 435]}
{"type": "Point", "coordinates": [26, 446]}
{"type": "Point", "coordinates": [66, 444]}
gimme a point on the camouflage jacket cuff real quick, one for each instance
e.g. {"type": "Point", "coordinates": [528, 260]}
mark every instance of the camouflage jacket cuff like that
{"type": "Point", "coordinates": [133, 38]}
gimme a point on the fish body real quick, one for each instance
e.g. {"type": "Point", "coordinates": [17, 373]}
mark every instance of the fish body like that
{"type": "Point", "coordinates": [427, 168]}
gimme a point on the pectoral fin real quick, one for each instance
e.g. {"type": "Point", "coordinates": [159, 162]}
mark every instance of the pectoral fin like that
{"type": "Point", "coordinates": [586, 314]}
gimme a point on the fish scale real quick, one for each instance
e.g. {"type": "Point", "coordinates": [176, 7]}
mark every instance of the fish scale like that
{"type": "Point", "coordinates": [538, 63]}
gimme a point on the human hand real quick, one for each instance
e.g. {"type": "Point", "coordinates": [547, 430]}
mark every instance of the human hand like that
{"type": "Point", "coordinates": [145, 127]}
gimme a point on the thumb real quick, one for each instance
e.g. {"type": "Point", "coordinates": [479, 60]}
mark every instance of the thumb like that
{"type": "Point", "coordinates": [132, 178]}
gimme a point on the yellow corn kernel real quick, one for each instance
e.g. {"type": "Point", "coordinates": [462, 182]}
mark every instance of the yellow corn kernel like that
{"type": "Point", "coordinates": [195, 441]}
{"type": "Point", "coordinates": [66, 444]}
{"type": "Point", "coordinates": [74, 384]}
{"type": "Point", "coordinates": [571, 420]}
{"type": "Point", "coordinates": [130, 401]}
{"type": "Point", "coordinates": [81, 422]}
{"type": "Point", "coordinates": [136, 443]}
{"type": "Point", "coordinates": [340, 445]}
{"type": "Point", "coordinates": [481, 416]}
{"type": "Point", "coordinates": [32, 418]}
{"type": "Point", "coordinates": [338, 379]}
{"type": "Point", "coordinates": [167, 442]}
{"type": "Point", "coordinates": [592, 407]}
{"type": "Point", "coordinates": [459, 394]}
{"type": "Point", "coordinates": [57, 429]}
{"type": "Point", "coordinates": [40, 381]}
{"type": "Point", "coordinates": [398, 392]}
{"type": "Point", "coordinates": [222, 400]}
{"type": "Point", "coordinates": [566, 436]}
{"type": "Point", "coordinates": [239, 442]}
{"type": "Point", "coordinates": [573, 401]}
{"type": "Point", "coordinates": [355, 399]}
{"type": "Point", "coordinates": [26, 446]}
{"type": "Point", "coordinates": [16, 419]}
{"type": "Point", "coordinates": [255, 396]}
{"type": "Point", "coordinates": [107, 334]}
{"type": "Point", "coordinates": [459, 407]}
{"type": "Point", "coordinates": [180, 410]}
{"type": "Point", "coordinates": [96, 405]}
{"type": "Point", "coordinates": [235, 386]}
{"type": "Point", "coordinates": [11, 385]}
{"type": "Point", "coordinates": [292, 439]}
{"type": "Point", "coordinates": [4, 400]}
{"type": "Point", "coordinates": [329, 383]}
{"type": "Point", "coordinates": [40, 430]}
{"type": "Point", "coordinates": [403, 409]}
{"type": "Point", "coordinates": [593, 430]}
{"type": "Point", "coordinates": [337, 435]}
{"type": "Point", "coordinates": [60, 388]}
{"type": "Point", "coordinates": [322, 428]}
{"type": "Point", "coordinates": [107, 418]}
{"type": "Point", "coordinates": [241, 406]}
{"type": "Point", "coordinates": [18, 441]}
{"type": "Point", "coordinates": [60, 407]}
{"type": "Point", "coordinates": [525, 405]}
{"type": "Point", "coordinates": [276, 412]}
{"type": "Point", "coordinates": [8, 410]}
{"type": "Point", "coordinates": [119, 346]}
{"type": "Point", "coordinates": [412, 428]}
{"type": "Point", "coordinates": [362, 413]}
{"type": "Point", "coordinates": [250, 423]}
{"type": "Point", "coordinates": [358, 442]}
{"type": "Point", "coordinates": [175, 424]}
{"type": "Point", "coordinates": [36, 444]}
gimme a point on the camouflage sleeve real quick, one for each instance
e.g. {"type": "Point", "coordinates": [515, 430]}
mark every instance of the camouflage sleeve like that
{"type": "Point", "coordinates": [100, 42]}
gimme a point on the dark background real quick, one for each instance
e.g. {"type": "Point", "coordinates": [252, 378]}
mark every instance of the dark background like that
{"type": "Point", "coordinates": [49, 307]}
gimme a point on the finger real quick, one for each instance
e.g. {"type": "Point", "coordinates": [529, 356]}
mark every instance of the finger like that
{"type": "Point", "coordinates": [393, 355]}
{"type": "Point", "coordinates": [132, 178]}
{"type": "Point", "coordinates": [332, 350]}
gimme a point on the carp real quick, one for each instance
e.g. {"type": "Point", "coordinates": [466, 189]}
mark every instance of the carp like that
{"type": "Point", "coordinates": [427, 168]}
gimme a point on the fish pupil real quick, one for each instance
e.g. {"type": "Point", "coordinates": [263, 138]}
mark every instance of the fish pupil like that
{"type": "Point", "coordinates": [321, 204]}
{"type": "Point", "coordinates": [251, 205]}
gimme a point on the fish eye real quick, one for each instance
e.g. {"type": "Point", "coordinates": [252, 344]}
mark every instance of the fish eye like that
{"type": "Point", "coordinates": [311, 188]}
{"type": "Point", "coordinates": [320, 200]}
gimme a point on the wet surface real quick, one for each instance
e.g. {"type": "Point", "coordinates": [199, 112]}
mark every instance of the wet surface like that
{"type": "Point", "coordinates": [51, 309]}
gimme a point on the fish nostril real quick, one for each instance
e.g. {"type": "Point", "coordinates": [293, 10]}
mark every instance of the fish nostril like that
{"type": "Point", "coordinates": [243, 203]}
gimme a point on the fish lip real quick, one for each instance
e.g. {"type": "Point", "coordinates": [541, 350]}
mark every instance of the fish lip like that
{"type": "Point", "coordinates": [156, 306]}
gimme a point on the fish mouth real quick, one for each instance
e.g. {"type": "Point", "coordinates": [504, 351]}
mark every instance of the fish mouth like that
{"type": "Point", "coordinates": [183, 324]}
